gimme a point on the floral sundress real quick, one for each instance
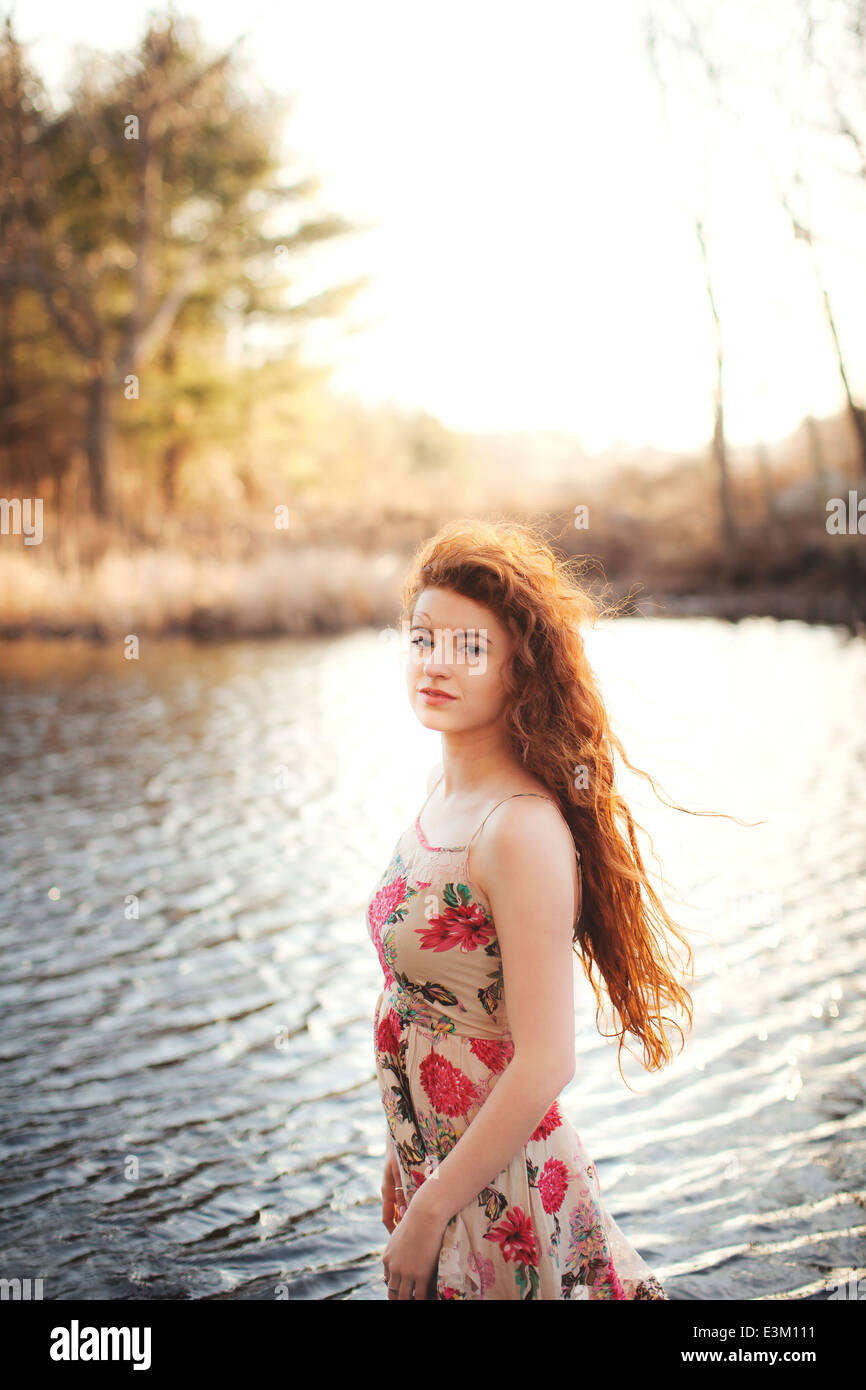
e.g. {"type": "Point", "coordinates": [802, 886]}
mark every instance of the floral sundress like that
{"type": "Point", "coordinates": [540, 1229]}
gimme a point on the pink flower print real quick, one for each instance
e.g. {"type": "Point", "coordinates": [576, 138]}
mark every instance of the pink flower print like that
{"type": "Point", "coordinates": [495, 1054]}
{"type": "Point", "coordinates": [516, 1236]}
{"type": "Point", "coordinates": [382, 905]}
{"type": "Point", "coordinates": [588, 1234]}
{"type": "Point", "coordinates": [553, 1184]}
{"type": "Point", "coordinates": [386, 901]}
{"type": "Point", "coordinates": [483, 1268]}
{"type": "Point", "coordinates": [550, 1121]}
{"type": "Point", "coordinates": [448, 1089]}
{"type": "Point", "coordinates": [387, 1039]}
{"type": "Point", "coordinates": [464, 925]}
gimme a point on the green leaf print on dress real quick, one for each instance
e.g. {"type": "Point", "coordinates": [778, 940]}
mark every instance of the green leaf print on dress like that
{"type": "Point", "coordinates": [430, 992]}
{"type": "Point", "coordinates": [588, 1258]}
{"type": "Point", "coordinates": [493, 1203]}
{"type": "Point", "coordinates": [491, 995]}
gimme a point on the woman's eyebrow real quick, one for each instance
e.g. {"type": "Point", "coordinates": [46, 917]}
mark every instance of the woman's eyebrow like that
{"type": "Point", "coordinates": [478, 631]}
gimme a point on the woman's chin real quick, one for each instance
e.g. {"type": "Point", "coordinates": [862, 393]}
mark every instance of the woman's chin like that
{"type": "Point", "coordinates": [432, 716]}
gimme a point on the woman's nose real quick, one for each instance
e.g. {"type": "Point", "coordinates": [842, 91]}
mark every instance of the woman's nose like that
{"type": "Point", "coordinates": [437, 659]}
{"type": "Point", "coordinates": [441, 652]}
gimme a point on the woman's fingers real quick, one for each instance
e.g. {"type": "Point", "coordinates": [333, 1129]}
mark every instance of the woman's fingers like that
{"type": "Point", "coordinates": [399, 1286]}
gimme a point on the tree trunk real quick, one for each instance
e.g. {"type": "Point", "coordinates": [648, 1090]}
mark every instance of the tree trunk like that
{"type": "Point", "coordinates": [816, 454]}
{"type": "Point", "coordinates": [855, 412]}
{"type": "Point", "coordinates": [171, 461]}
{"type": "Point", "coordinates": [8, 395]}
{"type": "Point", "coordinates": [720, 453]}
{"type": "Point", "coordinates": [771, 515]}
{"type": "Point", "coordinates": [96, 442]}
{"type": "Point", "coordinates": [857, 416]}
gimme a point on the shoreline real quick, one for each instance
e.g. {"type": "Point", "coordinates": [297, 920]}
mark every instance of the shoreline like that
{"type": "Point", "coordinates": [205, 624]}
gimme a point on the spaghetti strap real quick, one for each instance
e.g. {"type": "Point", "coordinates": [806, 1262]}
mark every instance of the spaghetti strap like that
{"type": "Point", "coordinates": [511, 798]}
{"type": "Point", "coordinates": [579, 911]}
{"type": "Point", "coordinates": [502, 803]}
{"type": "Point", "coordinates": [490, 813]}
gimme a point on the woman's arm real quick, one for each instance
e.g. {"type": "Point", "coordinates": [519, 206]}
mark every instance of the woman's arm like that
{"type": "Point", "coordinates": [502, 1126]}
{"type": "Point", "coordinates": [527, 860]}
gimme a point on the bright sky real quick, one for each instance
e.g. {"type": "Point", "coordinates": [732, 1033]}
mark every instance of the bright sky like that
{"type": "Point", "coordinates": [534, 257]}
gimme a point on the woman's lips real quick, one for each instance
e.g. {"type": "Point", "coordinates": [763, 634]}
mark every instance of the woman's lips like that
{"type": "Point", "coordinates": [436, 697]}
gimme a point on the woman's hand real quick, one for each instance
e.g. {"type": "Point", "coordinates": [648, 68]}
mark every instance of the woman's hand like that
{"type": "Point", "coordinates": [411, 1257]}
{"type": "Point", "coordinates": [392, 1192]}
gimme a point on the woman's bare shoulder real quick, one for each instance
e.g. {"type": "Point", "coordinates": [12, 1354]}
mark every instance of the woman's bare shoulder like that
{"type": "Point", "coordinates": [526, 839]}
{"type": "Point", "coordinates": [519, 823]}
{"type": "Point", "coordinates": [528, 811]}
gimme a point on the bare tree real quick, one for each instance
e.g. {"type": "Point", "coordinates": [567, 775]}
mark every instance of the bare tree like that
{"type": "Point", "coordinates": [845, 124]}
{"type": "Point", "coordinates": [729, 535]}
{"type": "Point", "coordinates": [856, 414]}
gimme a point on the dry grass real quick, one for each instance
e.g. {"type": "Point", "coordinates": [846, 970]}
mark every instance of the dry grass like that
{"type": "Point", "coordinates": [223, 572]}
{"type": "Point", "coordinates": [307, 589]}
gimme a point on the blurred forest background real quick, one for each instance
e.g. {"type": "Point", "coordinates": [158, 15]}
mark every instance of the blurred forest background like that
{"type": "Point", "coordinates": [199, 475]}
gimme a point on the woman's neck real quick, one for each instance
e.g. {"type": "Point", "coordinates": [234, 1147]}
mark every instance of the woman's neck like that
{"type": "Point", "coordinates": [472, 763]}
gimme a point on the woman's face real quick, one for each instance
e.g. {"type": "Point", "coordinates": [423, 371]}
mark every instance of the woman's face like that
{"type": "Point", "coordinates": [458, 647]}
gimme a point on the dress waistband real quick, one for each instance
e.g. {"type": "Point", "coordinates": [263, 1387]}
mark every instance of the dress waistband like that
{"type": "Point", "coordinates": [411, 1007]}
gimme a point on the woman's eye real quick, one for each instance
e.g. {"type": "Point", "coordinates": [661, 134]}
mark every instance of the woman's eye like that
{"type": "Point", "coordinates": [418, 641]}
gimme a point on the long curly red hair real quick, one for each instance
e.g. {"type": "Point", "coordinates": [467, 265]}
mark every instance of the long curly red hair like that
{"type": "Point", "coordinates": [558, 727]}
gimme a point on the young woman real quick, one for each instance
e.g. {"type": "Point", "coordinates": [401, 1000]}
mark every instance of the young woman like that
{"type": "Point", "coordinates": [488, 1191]}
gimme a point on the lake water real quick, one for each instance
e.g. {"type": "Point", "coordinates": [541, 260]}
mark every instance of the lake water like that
{"type": "Point", "coordinates": [189, 1107]}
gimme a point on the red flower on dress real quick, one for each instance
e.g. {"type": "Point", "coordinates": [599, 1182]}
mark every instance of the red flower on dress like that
{"type": "Point", "coordinates": [551, 1121]}
{"type": "Point", "coordinates": [553, 1184]}
{"type": "Point", "coordinates": [449, 1089]}
{"type": "Point", "coordinates": [381, 907]}
{"type": "Point", "coordinates": [387, 1037]}
{"type": "Point", "coordinates": [516, 1236]}
{"type": "Point", "coordinates": [465, 926]}
{"type": "Point", "coordinates": [383, 903]}
{"type": "Point", "coordinates": [495, 1054]}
